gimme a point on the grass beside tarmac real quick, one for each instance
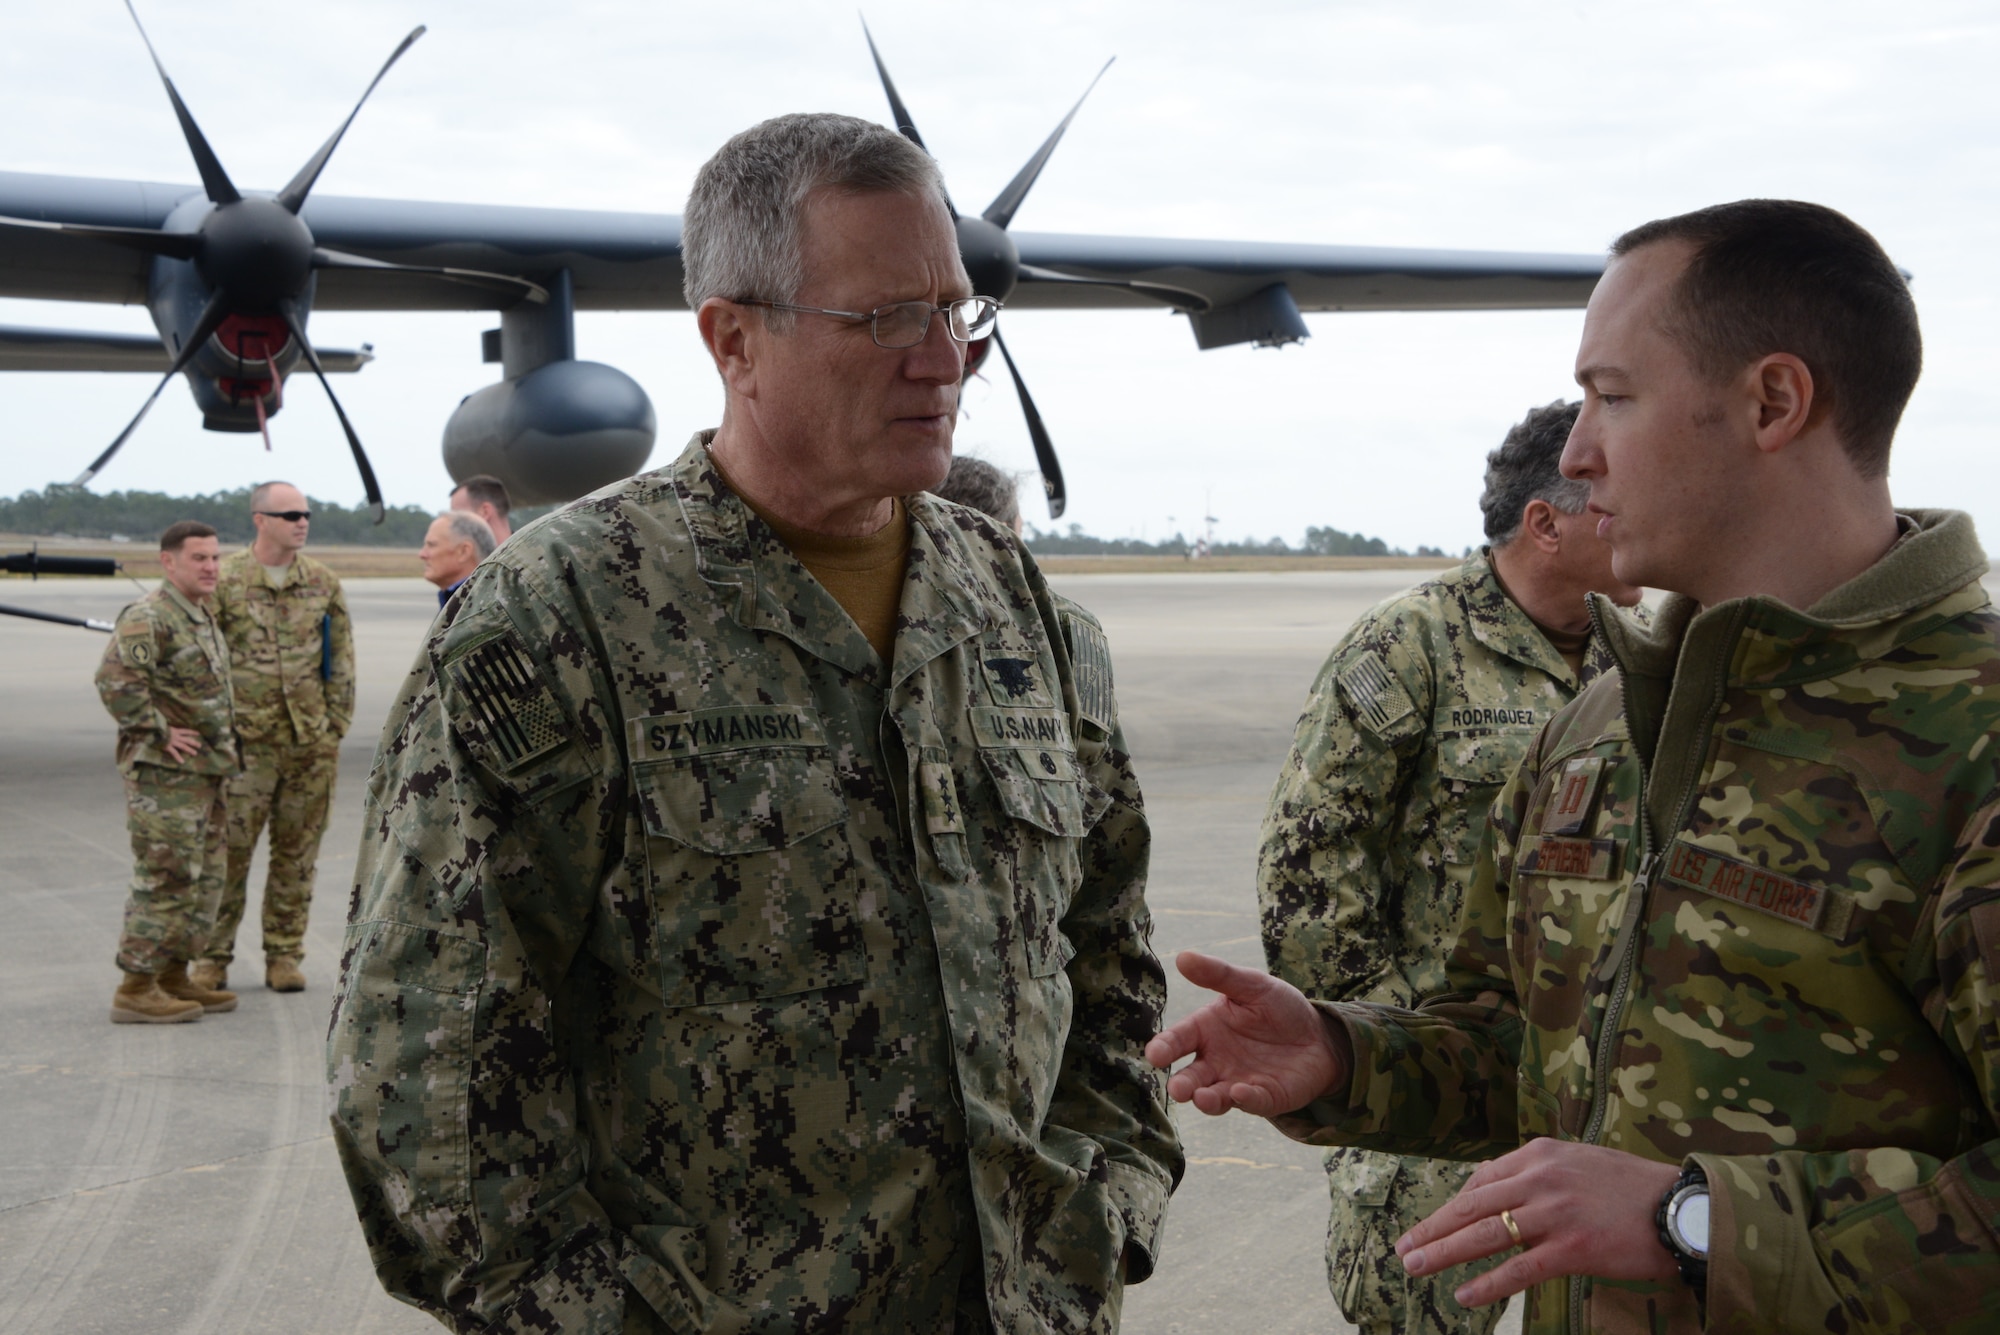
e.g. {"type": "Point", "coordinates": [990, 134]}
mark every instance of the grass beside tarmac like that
{"type": "Point", "coordinates": [141, 559]}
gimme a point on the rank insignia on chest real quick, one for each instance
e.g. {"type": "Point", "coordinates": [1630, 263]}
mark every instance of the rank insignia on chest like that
{"type": "Point", "coordinates": [940, 792]}
{"type": "Point", "coordinates": [1574, 796]}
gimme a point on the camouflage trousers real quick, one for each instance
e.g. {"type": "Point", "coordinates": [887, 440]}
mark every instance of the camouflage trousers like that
{"type": "Point", "coordinates": [290, 788]}
{"type": "Point", "coordinates": [177, 825]}
{"type": "Point", "coordinates": [1376, 1199]}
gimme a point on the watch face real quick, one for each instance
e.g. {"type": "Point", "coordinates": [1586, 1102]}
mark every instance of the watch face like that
{"type": "Point", "coordinates": [1690, 1221]}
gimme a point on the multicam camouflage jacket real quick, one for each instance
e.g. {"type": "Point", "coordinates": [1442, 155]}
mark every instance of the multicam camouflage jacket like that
{"type": "Point", "coordinates": [704, 973]}
{"type": "Point", "coordinates": [1421, 713]}
{"type": "Point", "coordinates": [292, 650]}
{"type": "Point", "coordinates": [1741, 907]}
{"type": "Point", "coordinates": [168, 665]}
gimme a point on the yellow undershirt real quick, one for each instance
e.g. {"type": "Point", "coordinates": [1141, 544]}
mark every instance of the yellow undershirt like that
{"type": "Point", "coordinates": [864, 575]}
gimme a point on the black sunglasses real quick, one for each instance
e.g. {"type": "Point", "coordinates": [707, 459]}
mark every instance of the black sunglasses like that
{"type": "Point", "coordinates": [289, 516]}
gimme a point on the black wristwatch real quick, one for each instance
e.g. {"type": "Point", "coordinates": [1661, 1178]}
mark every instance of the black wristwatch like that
{"type": "Point", "coordinates": [1683, 1223]}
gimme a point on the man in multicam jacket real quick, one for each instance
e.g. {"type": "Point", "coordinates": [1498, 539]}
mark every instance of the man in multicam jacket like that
{"type": "Point", "coordinates": [165, 681]}
{"type": "Point", "coordinates": [1728, 963]}
{"type": "Point", "coordinates": [728, 954]}
{"type": "Point", "coordinates": [291, 649]}
{"type": "Point", "coordinates": [1423, 710]}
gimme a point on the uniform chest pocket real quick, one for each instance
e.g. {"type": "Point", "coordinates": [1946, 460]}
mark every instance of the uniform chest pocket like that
{"type": "Point", "coordinates": [1050, 805]}
{"type": "Point", "coordinates": [755, 891]}
{"type": "Point", "coordinates": [1472, 770]}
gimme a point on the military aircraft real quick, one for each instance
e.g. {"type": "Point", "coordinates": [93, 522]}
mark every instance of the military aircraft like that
{"type": "Point", "coordinates": [231, 278]}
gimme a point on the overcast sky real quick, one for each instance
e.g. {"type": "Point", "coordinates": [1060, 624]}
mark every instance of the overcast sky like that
{"type": "Point", "coordinates": [1548, 126]}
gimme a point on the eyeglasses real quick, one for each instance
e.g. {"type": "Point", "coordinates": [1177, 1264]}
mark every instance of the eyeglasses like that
{"type": "Point", "coordinates": [289, 516]}
{"type": "Point", "coordinates": [903, 324]}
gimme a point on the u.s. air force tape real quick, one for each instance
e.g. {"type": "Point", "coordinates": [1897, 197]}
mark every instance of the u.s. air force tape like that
{"type": "Point", "coordinates": [1377, 697]}
{"type": "Point", "coordinates": [507, 710]}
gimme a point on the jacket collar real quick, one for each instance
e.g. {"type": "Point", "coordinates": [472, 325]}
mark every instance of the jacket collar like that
{"type": "Point", "coordinates": [1499, 623]}
{"type": "Point", "coordinates": [764, 587]}
{"type": "Point", "coordinates": [1932, 573]}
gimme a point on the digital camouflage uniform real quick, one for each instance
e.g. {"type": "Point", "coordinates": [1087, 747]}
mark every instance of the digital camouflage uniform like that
{"type": "Point", "coordinates": [167, 664]}
{"type": "Point", "coordinates": [1745, 912]}
{"type": "Point", "coordinates": [1421, 713]}
{"type": "Point", "coordinates": [704, 975]}
{"type": "Point", "coordinates": [292, 654]}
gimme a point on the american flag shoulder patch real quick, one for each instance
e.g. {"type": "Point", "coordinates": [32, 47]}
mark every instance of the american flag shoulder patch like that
{"type": "Point", "coordinates": [1378, 699]}
{"type": "Point", "coordinates": [1090, 666]}
{"type": "Point", "coordinates": [505, 710]}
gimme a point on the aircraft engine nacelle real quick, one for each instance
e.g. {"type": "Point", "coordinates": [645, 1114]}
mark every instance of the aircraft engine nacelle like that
{"type": "Point", "coordinates": [553, 434]}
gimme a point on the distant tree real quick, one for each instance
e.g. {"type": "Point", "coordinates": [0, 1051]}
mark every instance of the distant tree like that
{"type": "Point", "coordinates": [63, 511]}
{"type": "Point", "coordinates": [1333, 542]}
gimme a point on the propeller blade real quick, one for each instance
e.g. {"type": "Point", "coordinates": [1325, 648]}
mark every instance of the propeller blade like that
{"type": "Point", "coordinates": [904, 124]}
{"type": "Point", "coordinates": [293, 196]}
{"type": "Point", "coordinates": [1178, 297]}
{"type": "Point", "coordinates": [498, 282]}
{"type": "Point", "coordinates": [1001, 211]}
{"type": "Point", "coordinates": [174, 245]}
{"type": "Point", "coordinates": [212, 316]}
{"type": "Point", "coordinates": [290, 311]}
{"type": "Point", "coordinates": [1045, 450]}
{"type": "Point", "coordinates": [221, 190]}
{"type": "Point", "coordinates": [901, 113]}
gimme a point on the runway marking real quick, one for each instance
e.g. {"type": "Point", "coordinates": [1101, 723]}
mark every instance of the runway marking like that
{"type": "Point", "coordinates": [1199, 913]}
{"type": "Point", "coordinates": [1236, 941]}
{"type": "Point", "coordinates": [1230, 1161]}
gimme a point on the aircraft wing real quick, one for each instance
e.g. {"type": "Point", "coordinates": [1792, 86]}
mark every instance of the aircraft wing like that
{"type": "Point", "coordinates": [23, 348]}
{"type": "Point", "coordinates": [631, 261]}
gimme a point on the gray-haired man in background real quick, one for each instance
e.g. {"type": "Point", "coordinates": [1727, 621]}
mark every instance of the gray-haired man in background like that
{"type": "Point", "coordinates": [1419, 716]}
{"type": "Point", "coordinates": [456, 542]}
{"type": "Point", "coordinates": [750, 929]}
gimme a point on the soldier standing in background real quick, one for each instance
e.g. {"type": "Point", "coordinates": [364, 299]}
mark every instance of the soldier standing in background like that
{"type": "Point", "coordinates": [165, 679]}
{"type": "Point", "coordinates": [292, 649]}
{"type": "Point", "coordinates": [486, 497]}
{"type": "Point", "coordinates": [1419, 716]}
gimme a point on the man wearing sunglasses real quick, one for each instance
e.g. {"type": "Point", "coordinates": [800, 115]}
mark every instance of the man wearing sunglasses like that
{"type": "Point", "coordinates": [291, 647]}
{"type": "Point", "coordinates": [750, 928]}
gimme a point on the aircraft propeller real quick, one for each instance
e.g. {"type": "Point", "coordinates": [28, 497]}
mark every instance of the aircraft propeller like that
{"type": "Point", "coordinates": [257, 258]}
{"type": "Point", "coordinates": [993, 263]}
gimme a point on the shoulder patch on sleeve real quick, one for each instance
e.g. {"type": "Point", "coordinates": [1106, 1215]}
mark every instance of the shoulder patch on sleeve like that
{"type": "Point", "coordinates": [1379, 699]}
{"type": "Point", "coordinates": [1090, 667]}
{"type": "Point", "coordinates": [508, 714]}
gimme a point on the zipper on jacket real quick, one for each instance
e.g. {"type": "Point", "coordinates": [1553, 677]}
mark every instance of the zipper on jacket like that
{"type": "Point", "coordinates": [1627, 953]}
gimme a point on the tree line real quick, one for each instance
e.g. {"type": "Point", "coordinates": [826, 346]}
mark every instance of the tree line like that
{"type": "Point", "coordinates": [1318, 542]}
{"type": "Point", "coordinates": [75, 512]}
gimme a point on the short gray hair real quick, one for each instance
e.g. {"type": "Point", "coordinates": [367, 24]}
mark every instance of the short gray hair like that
{"type": "Point", "coordinates": [741, 233]}
{"type": "Point", "coordinates": [1527, 467]}
{"type": "Point", "coordinates": [469, 527]}
{"type": "Point", "coordinates": [983, 487]}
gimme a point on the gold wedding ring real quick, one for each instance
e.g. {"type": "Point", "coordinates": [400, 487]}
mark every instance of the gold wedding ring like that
{"type": "Point", "coordinates": [1513, 1229]}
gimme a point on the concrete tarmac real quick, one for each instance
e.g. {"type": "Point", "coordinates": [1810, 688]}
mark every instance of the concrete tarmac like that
{"type": "Point", "coordinates": [182, 1179]}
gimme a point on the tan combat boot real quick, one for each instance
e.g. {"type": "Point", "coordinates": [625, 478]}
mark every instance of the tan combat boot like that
{"type": "Point", "coordinates": [140, 1001]}
{"type": "Point", "coordinates": [281, 974]}
{"type": "Point", "coordinates": [174, 981]}
{"type": "Point", "coordinates": [211, 975]}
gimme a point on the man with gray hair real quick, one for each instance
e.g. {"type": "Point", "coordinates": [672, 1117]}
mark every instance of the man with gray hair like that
{"type": "Point", "coordinates": [455, 543]}
{"type": "Point", "coordinates": [750, 930]}
{"type": "Point", "coordinates": [1422, 712]}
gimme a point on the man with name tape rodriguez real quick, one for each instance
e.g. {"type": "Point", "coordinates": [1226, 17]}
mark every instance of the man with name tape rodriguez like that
{"type": "Point", "coordinates": [749, 930]}
{"type": "Point", "coordinates": [1723, 997]}
{"type": "Point", "coordinates": [1423, 710]}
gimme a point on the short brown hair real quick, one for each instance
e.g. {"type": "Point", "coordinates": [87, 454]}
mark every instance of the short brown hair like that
{"type": "Point", "coordinates": [485, 489]}
{"type": "Point", "coordinates": [179, 532]}
{"type": "Point", "coordinates": [1780, 275]}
